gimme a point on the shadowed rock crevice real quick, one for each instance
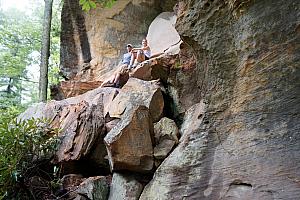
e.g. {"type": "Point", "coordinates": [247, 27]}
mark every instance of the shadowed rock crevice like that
{"type": "Point", "coordinates": [67, 55]}
{"type": "Point", "coordinates": [240, 183]}
{"type": "Point", "coordinates": [80, 167]}
{"type": "Point", "coordinates": [74, 38]}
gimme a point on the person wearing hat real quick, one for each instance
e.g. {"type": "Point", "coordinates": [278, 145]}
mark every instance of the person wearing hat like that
{"type": "Point", "coordinates": [114, 79]}
{"type": "Point", "coordinates": [127, 56]}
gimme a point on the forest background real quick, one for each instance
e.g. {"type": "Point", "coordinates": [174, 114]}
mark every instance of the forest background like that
{"type": "Point", "coordinates": [20, 45]}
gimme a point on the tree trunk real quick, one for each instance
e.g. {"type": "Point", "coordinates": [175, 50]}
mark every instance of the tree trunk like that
{"type": "Point", "coordinates": [45, 51]}
{"type": "Point", "coordinates": [9, 86]}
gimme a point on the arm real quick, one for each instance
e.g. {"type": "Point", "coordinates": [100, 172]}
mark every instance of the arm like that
{"type": "Point", "coordinates": [143, 48]}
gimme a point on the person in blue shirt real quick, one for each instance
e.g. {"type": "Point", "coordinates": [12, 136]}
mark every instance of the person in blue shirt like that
{"type": "Point", "coordinates": [114, 79]}
{"type": "Point", "coordinates": [127, 56]}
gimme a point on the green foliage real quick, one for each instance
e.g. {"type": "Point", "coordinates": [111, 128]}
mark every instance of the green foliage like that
{"type": "Point", "coordinates": [109, 3]}
{"type": "Point", "coordinates": [20, 45]}
{"type": "Point", "coordinates": [87, 4]}
{"type": "Point", "coordinates": [91, 4]}
{"type": "Point", "coordinates": [22, 145]}
{"type": "Point", "coordinates": [19, 38]}
{"type": "Point", "coordinates": [54, 60]}
{"type": "Point", "coordinates": [10, 113]}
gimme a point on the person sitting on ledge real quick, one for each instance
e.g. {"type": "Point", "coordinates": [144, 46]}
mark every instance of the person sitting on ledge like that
{"type": "Point", "coordinates": [114, 79]}
{"type": "Point", "coordinates": [139, 55]}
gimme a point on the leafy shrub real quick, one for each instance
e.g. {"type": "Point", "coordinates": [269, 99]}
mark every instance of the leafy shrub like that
{"type": "Point", "coordinates": [89, 4]}
{"type": "Point", "coordinates": [10, 113]}
{"type": "Point", "coordinates": [22, 145]}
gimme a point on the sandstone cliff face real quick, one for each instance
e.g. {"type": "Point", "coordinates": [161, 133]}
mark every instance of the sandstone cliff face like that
{"type": "Point", "coordinates": [101, 34]}
{"type": "Point", "coordinates": [233, 90]}
{"type": "Point", "coordinates": [92, 43]}
{"type": "Point", "coordinates": [246, 142]}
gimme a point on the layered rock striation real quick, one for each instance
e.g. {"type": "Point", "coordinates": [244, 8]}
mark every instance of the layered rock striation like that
{"type": "Point", "coordinates": [245, 142]}
{"type": "Point", "coordinates": [92, 43]}
{"type": "Point", "coordinates": [215, 117]}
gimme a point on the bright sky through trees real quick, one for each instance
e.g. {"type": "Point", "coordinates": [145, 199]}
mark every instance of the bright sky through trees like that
{"type": "Point", "coordinates": [24, 6]}
{"type": "Point", "coordinates": [21, 5]}
{"type": "Point", "coordinates": [28, 15]}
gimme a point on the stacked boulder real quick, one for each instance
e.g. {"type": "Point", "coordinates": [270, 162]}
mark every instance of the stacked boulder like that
{"type": "Point", "coordinates": [113, 139]}
{"type": "Point", "coordinates": [134, 142]}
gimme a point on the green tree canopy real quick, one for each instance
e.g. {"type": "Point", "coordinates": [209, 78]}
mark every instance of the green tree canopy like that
{"type": "Point", "coordinates": [20, 44]}
{"type": "Point", "coordinates": [90, 4]}
{"type": "Point", "coordinates": [19, 39]}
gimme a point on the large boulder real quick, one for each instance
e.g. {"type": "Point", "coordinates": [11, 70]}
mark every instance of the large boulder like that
{"type": "Point", "coordinates": [67, 89]}
{"type": "Point", "coordinates": [96, 188]}
{"type": "Point", "coordinates": [155, 68]}
{"type": "Point", "coordinates": [138, 92]}
{"type": "Point", "coordinates": [124, 187]}
{"type": "Point", "coordinates": [166, 136]}
{"type": "Point", "coordinates": [52, 109]}
{"type": "Point", "coordinates": [162, 35]}
{"type": "Point", "coordinates": [81, 126]}
{"type": "Point", "coordinates": [129, 143]}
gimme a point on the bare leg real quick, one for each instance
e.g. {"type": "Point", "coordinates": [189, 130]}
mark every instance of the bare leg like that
{"type": "Point", "coordinates": [112, 78]}
{"type": "Point", "coordinates": [116, 78]}
{"type": "Point", "coordinates": [104, 82]}
{"type": "Point", "coordinates": [133, 57]}
{"type": "Point", "coordinates": [109, 80]}
{"type": "Point", "coordinates": [140, 57]}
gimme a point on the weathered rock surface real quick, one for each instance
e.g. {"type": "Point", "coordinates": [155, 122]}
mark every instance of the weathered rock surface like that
{"type": "Point", "coordinates": [69, 184]}
{"type": "Point", "coordinates": [100, 35]}
{"type": "Point", "coordinates": [129, 143]}
{"type": "Point", "coordinates": [174, 71]}
{"type": "Point", "coordinates": [162, 34]}
{"type": "Point", "coordinates": [182, 169]}
{"type": "Point", "coordinates": [240, 60]}
{"type": "Point", "coordinates": [246, 144]}
{"type": "Point", "coordinates": [166, 136]}
{"type": "Point", "coordinates": [111, 124]}
{"type": "Point", "coordinates": [124, 187]}
{"type": "Point", "coordinates": [166, 129]}
{"type": "Point", "coordinates": [81, 126]}
{"type": "Point", "coordinates": [74, 88]}
{"type": "Point", "coordinates": [138, 92]}
{"type": "Point", "coordinates": [155, 68]}
{"type": "Point", "coordinates": [52, 109]}
{"type": "Point", "coordinates": [92, 43]}
{"type": "Point", "coordinates": [96, 188]}
{"type": "Point", "coordinates": [162, 149]}
{"type": "Point", "coordinates": [192, 118]}
{"type": "Point", "coordinates": [181, 80]}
